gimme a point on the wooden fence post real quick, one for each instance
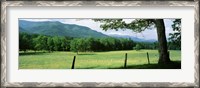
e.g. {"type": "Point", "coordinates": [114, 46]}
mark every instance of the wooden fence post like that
{"type": "Point", "coordinates": [148, 58]}
{"type": "Point", "coordinates": [125, 60]}
{"type": "Point", "coordinates": [73, 63]}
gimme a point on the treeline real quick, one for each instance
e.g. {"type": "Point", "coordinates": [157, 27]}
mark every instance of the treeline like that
{"type": "Point", "coordinates": [38, 42]}
{"type": "Point", "coordinates": [100, 44]}
{"type": "Point", "coordinates": [154, 45]}
{"type": "Point", "coordinates": [56, 43]}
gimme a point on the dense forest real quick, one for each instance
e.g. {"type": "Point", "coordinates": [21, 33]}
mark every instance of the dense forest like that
{"type": "Point", "coordinates": [37, 42]}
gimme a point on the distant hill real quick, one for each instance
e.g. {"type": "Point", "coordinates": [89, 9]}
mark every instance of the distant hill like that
{"type": "Point", "coordinates": [132, 38]}
{"type": "Point", "coordinates": [55, 28]}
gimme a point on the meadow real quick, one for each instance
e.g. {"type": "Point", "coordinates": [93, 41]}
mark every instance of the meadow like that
{"type": "Point", "coordinates": [97, 60]}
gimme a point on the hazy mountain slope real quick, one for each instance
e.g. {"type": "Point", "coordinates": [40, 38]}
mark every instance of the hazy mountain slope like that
{"type": "Point", "coordinates": [132, 38]}
{"type": "Point", "coordinates": [57, 29]}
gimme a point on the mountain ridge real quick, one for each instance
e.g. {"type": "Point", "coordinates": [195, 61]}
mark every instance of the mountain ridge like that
{"type": "Point", "coordinates": [56, 28]}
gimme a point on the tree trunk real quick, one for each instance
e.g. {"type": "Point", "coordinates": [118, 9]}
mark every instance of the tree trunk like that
{"type": "Point", "coordinates": [163, 50]}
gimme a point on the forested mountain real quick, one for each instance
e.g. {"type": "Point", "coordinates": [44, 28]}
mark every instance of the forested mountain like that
{"type": "Point", "coordinates": [55, 28]}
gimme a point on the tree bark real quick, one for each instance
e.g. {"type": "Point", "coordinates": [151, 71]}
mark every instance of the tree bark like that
{"type": "Point", "coordinates": [163, 50]}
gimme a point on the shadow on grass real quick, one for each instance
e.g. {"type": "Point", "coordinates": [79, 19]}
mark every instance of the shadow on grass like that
{"type": "Point", "coordinates": [172, 65]}
{"type": "Point", "coordinates": [32, 53]}
{"type": "Point", "coordinates": [88, 68]}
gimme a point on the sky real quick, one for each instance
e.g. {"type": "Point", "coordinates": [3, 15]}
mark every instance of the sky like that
{"type": "Point", "coordinates": [147, 34]}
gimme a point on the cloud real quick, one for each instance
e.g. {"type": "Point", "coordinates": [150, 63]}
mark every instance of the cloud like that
{"type": "Point", "coordinates": [36, 20]}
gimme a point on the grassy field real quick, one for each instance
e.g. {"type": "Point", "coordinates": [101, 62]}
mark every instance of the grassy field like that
{"type": "Point", "coordinates": [96, 60]}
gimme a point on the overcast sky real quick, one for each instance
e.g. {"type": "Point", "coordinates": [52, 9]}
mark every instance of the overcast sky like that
{"type": "Point", "coordinates": [147, 34]}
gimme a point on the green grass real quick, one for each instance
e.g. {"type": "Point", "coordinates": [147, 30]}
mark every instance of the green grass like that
{"type": "Point", "coordinates": [96, 60]}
